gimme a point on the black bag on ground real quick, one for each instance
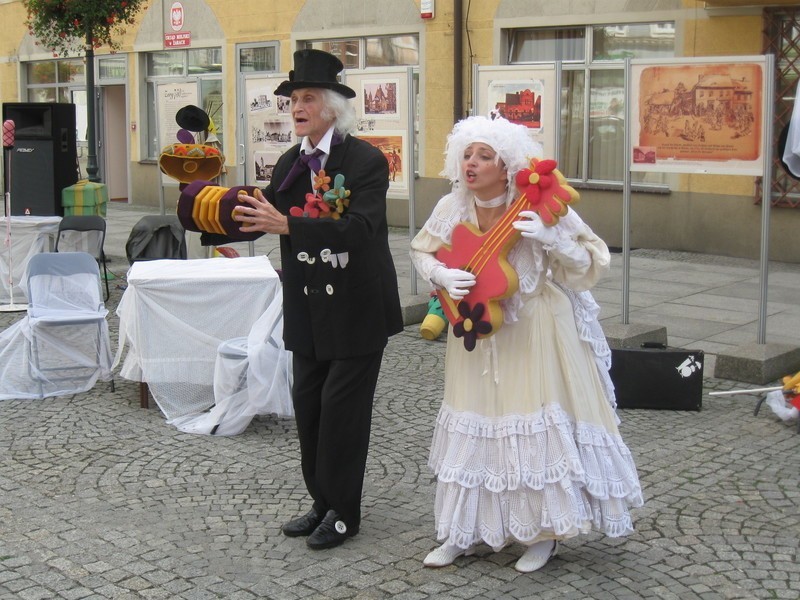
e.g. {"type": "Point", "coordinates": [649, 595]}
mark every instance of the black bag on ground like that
{"type": "Point", "coordinates": [656, 376]}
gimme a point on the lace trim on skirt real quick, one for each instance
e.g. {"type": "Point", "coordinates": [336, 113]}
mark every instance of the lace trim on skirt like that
{"type": "Point", "coordinates": [529, 477]}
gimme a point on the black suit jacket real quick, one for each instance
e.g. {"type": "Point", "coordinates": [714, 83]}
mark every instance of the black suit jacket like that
{"type": "Point", "coordinates": [346, 306]}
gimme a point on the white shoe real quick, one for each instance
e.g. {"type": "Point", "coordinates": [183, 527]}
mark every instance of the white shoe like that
{"type": "Point", "coordinates": [445, 555]}
{"type": "Point", "coordinates": [536, 556]}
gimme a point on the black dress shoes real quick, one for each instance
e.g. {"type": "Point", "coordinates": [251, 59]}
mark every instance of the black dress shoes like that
{"type": "Point", "coordinates": [331, 532]}
{"type": "Point", "coordinates": [304, 525]}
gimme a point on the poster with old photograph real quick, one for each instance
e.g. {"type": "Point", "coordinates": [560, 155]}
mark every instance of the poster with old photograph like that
{"type": "Point", "coordinates": [698, 116]}
{"type": "Point", "coordinates": [393, 146]}
{"type": "Point", "coordinates": [269, 130]}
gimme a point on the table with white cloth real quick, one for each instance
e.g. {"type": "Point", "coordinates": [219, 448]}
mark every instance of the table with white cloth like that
{"type": "Point", "coordinates": [175, 313]}
{"type": "Point", "coordinates": [29, 235]}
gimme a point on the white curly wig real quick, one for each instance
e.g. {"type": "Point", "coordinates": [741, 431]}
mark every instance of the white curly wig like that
{"type": "Point", "coordinates": [512, 143]}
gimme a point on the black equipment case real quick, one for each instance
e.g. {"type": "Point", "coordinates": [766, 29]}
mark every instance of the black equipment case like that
{"type": "Point", "coordinates": [657, 376]}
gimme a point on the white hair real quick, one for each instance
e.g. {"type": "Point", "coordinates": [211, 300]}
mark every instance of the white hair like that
{"type": "Point", "coordinates": [340, 110]}
{"type": "Point", "coordinates": [512, 143]}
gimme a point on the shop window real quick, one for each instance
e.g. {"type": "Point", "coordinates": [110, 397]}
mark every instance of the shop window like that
{"type": "Point", "coordinates": [782, 38]}
{"type": "Point", "coordinates": [592, 144]}
{"type": "Point", "coordinates": [49, 80]}
{"type": "Point", "coordinates": [258, 59]}
{"type": "Point", "coordinates": [372, 51]}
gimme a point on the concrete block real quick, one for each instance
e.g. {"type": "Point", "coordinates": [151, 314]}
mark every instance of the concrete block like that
{"type": "Point", "coordinates": [633, 335]}
{"type": "Point", "coordinates": [758, 363]}
{"type": "Point", "coordinates": [414, 308]}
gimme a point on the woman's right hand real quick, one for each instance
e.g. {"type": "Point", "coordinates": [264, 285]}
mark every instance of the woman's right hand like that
{"type": "Point", "coordinates": [455, 281]}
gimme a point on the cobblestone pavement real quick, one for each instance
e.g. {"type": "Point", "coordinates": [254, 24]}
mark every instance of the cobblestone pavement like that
{"type": "Point", "coordinates": [103, 499]}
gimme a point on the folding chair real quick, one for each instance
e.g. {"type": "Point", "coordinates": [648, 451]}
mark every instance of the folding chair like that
{"type": "Point", "coordinates": [69, 346]}
{"type": "Point", "coordinates": [84, 233]}
{"type": "Point", "coordinates": [156, 236]}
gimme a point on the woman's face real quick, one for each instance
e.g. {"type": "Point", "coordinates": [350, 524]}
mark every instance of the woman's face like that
{"type": "Point", "coordinates": [483, 172]}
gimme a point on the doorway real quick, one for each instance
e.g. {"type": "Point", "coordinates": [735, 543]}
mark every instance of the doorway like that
{"type": "Point", "coordinates": [112, 141]}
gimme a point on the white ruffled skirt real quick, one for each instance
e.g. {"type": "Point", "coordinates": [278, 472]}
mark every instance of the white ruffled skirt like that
{"type": "Point", "coordinates": [526, 445]}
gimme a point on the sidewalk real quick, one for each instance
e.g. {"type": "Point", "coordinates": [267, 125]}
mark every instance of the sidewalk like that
{"type": "Point", "coordinates": [102, 499]}
{"type": "Point", "coordinates": [710, 303]}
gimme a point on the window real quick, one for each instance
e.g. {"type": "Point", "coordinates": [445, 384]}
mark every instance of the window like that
{"type": "Point", "coordinates": [373, 51]}
{"type": "Point", "coordinates": [782, 37]}
{"type": "Point", "coordinates": [50, 80]}
{"type": "Point", "coordinates": [592, 93]}
{"type": "Point", "coordinates": [202, 65]}
{"type": "Point", "coordinates": [258, 59]}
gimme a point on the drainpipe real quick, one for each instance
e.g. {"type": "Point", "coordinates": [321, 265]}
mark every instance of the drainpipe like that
{"type": "Point", "coordinates": [458, 67]}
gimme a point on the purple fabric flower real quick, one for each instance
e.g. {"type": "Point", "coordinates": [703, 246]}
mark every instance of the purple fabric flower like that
{"type": "Point", "coordinates": [470, 326]}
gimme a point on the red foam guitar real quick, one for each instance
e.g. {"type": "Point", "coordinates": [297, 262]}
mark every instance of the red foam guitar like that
{"type": "Point", "coordinates": [478, 315]}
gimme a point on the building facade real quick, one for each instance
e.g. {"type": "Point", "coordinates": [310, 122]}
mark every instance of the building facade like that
{"type": "Point", "coordinates": [223, 56]}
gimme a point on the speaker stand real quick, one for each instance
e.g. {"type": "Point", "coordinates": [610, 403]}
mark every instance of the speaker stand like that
{"type": "Point", "coordinates": [10, 307]}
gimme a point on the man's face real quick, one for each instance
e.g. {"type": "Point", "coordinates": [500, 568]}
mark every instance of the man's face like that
{"type": "Point", "coordinates": [307, 107]}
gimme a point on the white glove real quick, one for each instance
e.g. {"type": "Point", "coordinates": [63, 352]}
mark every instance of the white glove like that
{"type": "Point", "coordinates": [535, 229]}
{"type": "Point", "coordinates": [455, 281]}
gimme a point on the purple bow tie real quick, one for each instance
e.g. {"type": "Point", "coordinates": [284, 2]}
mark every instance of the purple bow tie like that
{"type": "Point", "coordinates": [301, 165]}
{"type": "Point", "coordinates": [306, 161]}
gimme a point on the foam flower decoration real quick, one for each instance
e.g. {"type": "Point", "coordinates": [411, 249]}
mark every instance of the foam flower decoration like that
{"type": "Point", "coordinates": [338, 197]}
{"type": "Point", "coordinates": [470, 326]}
{"type": "Point", "coordinates": [315, 207]}
{"type": "Point", "coordinates": [321, 181]}
{"type": "Point", "coordinates": [546, 189]}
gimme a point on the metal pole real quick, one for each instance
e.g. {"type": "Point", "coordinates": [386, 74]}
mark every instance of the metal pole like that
{"type": "Point", "coordinates": [626, 203]}
{"type": "Point", "coordinates": [91, 138]}
{"type": "Point", "coordinates": [412, 175]}
{"type": "Point", "coordinates": [766, 193]}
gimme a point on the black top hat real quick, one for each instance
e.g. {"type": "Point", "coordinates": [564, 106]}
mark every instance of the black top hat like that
{"type": "Point", "coordinates": [192, 118]}
{"type": "Point", "coordinates": [314, 69]}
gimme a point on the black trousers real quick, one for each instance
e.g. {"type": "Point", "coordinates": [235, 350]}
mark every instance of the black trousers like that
{"type": "Point", "coordinates": [333, 409]}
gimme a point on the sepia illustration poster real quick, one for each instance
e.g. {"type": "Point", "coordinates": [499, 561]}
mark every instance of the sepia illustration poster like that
{"type": "Point", "coordinates": [698, 117]}
{"type": "Point", "coordinates": [392, 144]}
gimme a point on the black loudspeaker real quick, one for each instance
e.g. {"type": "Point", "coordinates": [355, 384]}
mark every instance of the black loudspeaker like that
{"type": "Point", "coordinates": [658, 377]}
{"type": "Point", "coordinates": [44, 158]}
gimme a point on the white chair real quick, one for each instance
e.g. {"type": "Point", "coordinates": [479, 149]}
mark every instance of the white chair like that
{"type": "Point", "coordinates": [69, 344]}
{"type": "Point", "coordinates": [84, 233]}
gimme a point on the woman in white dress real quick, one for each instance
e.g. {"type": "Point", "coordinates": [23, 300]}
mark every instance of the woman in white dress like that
{"type": "Point", "coordinates": [526, 447]}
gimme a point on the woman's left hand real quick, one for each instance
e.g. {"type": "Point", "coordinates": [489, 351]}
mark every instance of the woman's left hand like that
{"type": "Point", "coordinates": [534, 228]}
{"type": "Point", "coordinates": [257, 214]}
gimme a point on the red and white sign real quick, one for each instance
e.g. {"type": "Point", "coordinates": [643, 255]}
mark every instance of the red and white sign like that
{"type": "Point", "coordinates": [176, 16]}
{"type": "Point", "coordinates": [178, 40]}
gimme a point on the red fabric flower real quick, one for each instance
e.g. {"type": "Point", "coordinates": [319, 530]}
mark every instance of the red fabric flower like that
{"type": "Point", "coordinates": [546, 189]}
{"type": "Point", "coordinates": [314, 208]}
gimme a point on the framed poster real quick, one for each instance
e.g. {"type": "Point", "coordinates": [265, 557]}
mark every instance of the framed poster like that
{"type": "Point", "coordinates": [523, 94]}
{"type": "Point", "coordinates": [171, 97]}
{"type": "Point", "coordinates": [393, 146]}
{"type": "Point", "coordinates": [698, 115]}
{"type": "Point", "coordinates": [379, 97]}
{"type": "Point", "coordinates": [269, 130]}
{"type": "Point", "coordinates": [382, 119]}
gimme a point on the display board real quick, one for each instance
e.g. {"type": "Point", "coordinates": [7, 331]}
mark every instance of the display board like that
{"type": "Point", "coordinates": [382, 114]}
{"type": "Point", "coordinates": [523, 94]}
{"type": "Point", "coordinates": [701, 115]}
{"type": "Point", "coordinates": [269, 130]}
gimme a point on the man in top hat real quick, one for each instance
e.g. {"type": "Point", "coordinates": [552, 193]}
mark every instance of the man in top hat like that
{"type": "Point", "coordinates": [340, 298]}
